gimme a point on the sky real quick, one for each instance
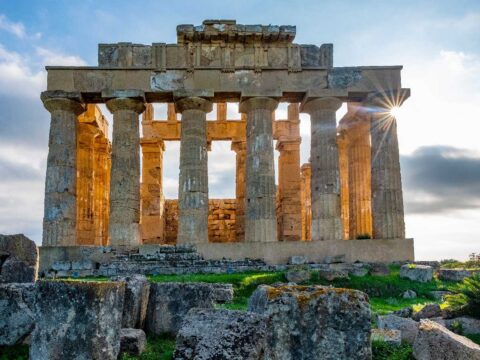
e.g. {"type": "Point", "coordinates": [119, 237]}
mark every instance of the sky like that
{"type": "Point", "coordinates": [437, 42]}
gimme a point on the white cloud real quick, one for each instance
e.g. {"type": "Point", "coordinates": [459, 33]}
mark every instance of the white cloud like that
{"type": "Point", "coordinates": [15, 28]}
{"type": "Point", "coordinates": [49, 57]}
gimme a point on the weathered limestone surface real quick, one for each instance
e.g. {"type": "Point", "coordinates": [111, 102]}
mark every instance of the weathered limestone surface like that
{"type": "Point", "coordinates": [306, 201]}
{"type": "Point", "coordinates": [455, 274]}
{"type": "Point", "coordinates": [260, 213]}
{"type": "Point", "coordinates": [387, 195]}
{"type": "Point", "coordinates": [170, 302]}
{"type": "Point", "coordinates": [408, 327]}
{"type": "Point", "coordinates": [17, 313]}
{"type": "Point", "coordinates": [434, 342]}
{"type": "Point", "coordinates": [125, 171]}
{"type": "Point", "coordinates": [193, 181]}
{"type": "Point", "coordinates": [325, 186]}
{"type": "Point", "coordinates": [240, 148]}
{"type": "Point", "coordinates": [137, 290]}
{"type": "Point", "coordinates": [221, 334]}
{"type": "Point", "coordinates": [18, 259]}
{"type": "Point", "coordinates": [60, 213]}
{"type": "Point", "coordinates": [428, 311]}
{"type": "Point", "coordinates": [314, 322]}
{"type": "Point", "coordinates": [469, 325]}
{"type": "Point", "coordinates": [132, 341]}
{"type": "Point", "coordinates": [422, 273]}
{"type": "Point", "coordinates": [342, 144]}
{"type": "Point", "coordinates": [77, 320]}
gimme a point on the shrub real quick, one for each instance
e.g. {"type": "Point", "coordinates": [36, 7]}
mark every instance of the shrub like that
{"type": "Point", "coordinates": [383, 351]}
{"type": "Point", "coordinates": [467, 297]}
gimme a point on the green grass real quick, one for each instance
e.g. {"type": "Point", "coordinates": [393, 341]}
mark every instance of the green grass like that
{"type": "Point", "coordinates": [19, 352]}
{"type": "Point", "coordinates": [158, 348]}
{"type": "Point", "coordinates": [383, 351]}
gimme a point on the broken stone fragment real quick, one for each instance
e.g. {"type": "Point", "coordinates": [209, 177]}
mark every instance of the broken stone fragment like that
{"type": "Point", "coordinates": [137, 289]}
{"type": "Point", "coordinates": [132, 341]}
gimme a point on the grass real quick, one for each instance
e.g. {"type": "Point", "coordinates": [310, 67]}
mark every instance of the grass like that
{"type": "Point", "coordinates": [19, 352]}
{"type": "Point", "coordinates": [383, 351]}
{"type": "Point", "coordinates": [158, 348]}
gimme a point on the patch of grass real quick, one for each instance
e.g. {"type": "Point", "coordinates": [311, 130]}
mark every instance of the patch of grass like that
{"type": "Point", "coordinates": [383, 351]}
{"type": "Point", "coordinates": [383, 306]}
{"type": "Point", "coordinates": [158, 348]}
{"type": "Point", "coordinates": [466, 297]}
{"type": "Point", "coordinates": [474, 337]}
{"type": "Point", "coordinates": [18, 352]}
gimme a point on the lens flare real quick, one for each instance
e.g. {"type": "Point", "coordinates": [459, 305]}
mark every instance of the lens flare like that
{"type": "Point", "coordinates": [394, 111]}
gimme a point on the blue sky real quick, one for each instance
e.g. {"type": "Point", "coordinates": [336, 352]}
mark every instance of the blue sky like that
{"type": "Point", "coordinates": [438, 42]}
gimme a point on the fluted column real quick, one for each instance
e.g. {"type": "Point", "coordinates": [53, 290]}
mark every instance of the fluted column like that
{"type": "Point", "coordinates": [306, 202]}
{"type": "Point", "coordinates": [360, 205]}
{"type": "Point", "coordinates": [101, 189]}
{"type": "Point", "coordinates": [60, 208]}
{"type": "Point", "coordinates": [240, 148]}
{"type": "Point", "coordinates": [326, 211]}
{"type": "Point", "coordinates": [260, 211]}
{"type": "Point", "coordinates": [125, 171]}
{"type": "Point", "coordinates": [193, 182]}
{"type": "Point", "coordinates": [387, 196]}
{"type": "Point", "coordinates": [152, 193]}
{"type": "Point", "coordinates": [342, 143]}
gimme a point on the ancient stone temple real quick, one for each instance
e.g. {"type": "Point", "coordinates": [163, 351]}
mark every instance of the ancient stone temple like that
{"type": "Point", "coordinates": [346, 201]}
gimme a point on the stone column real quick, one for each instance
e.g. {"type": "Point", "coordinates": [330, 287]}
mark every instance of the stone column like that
{"type": "Point", "coordinates": [326, 211]}
{"type": "Point", "coordinates": [60, 208]}
{"type": "Point", "coordinates": [306, 202]}
{"type": "Point", "coordinates": [153, 220]}
{"type": "Point", "coordinates": [240, 148]}
{"type": "Point", "coordinates": [101, 187]}
{"type": "Point", "coordinates": [260, 211]}
{"type": "Point", "coordinates": [85, 183]}
{"type": "Point", "coordinates": [126, 107]}
{"type": "Point", "coordinates": [387, 196]}
{"type": "Point", "coordinates": [193, 182]}
{"type": "Point", "coordinates": [360, 206]}
{"type": "Point", "coordinates": [342, 143]}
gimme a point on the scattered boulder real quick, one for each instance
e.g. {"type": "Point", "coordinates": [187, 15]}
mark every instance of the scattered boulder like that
{"type": "Point", "coordinates": [298, 274]}
{"type": "Point", "coordinates": [438, 294]}
{"type": "Point", "coordinates": [222, 293]}
{"type": "Point", "coordinates": [428, 311]}
{"type": "Point", "coordinates": [137, 289]}
{"type": "Point", "coordinates": [334, 259]}
{"type": "Point", "coordinates": [435, 342]}
{"type": "Point", "coordinates": [355, 269]}
{"type": "Point", "coordinates": [132, 341]}
{"type": "Point", "coordinates": [405, 312]}
{"type": "Point", "coordinates": [17, 317]}
{"type": "Point", "coordinates": [379, 269]}
{"type": "Point", "coordinates": [454, 274]}
{"type": "Point", "coordinates": [391, 337]}
{"type": "Point", "coordinates": [408, 327]}
{"type": "Point", "coordinates": [434, 264]}
{"type": "Point", "coordinates": [468, 324]}
{"type": "Point", "coordinates": [422, 273]}
{"type": "Point", "coordinates": [18, 259]}
{"type": "Point", "coordinates": [77, 320]}
{"type": "Point", "coordinates": [332, 274]}
{"type": "Point", "coordinates": [409, 294]}
{"type": "Point", "coordinates": [170, 302]}
{"type": "Point", "coordinates": [314, 322]}
{"type": "Point", "coordinates": [221, 334]}
{"type": "Point", "coordinates": [297, 260]}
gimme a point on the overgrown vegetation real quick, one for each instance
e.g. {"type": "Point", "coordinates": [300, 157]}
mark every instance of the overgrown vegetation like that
{"type": "Point", "coordinates": [455, 264]}
{"type": "Point", "coordinates": [19, 352]}
{"type": "Point", "coordinates": [383, 351]}
{"type": "Point", "coordinates": [158, 348]}
{"type": "Point", "coordinates": [466, 297]}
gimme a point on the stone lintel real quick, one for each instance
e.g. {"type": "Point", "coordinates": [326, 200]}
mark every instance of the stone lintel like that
{"type": "Point", "coordinates": [382, 100]}
{"type": "Point", "coordinates": [124, 94]}
{"type": "Point", "coordinates": [288, 144]}
{"type": "Point", "coordinates": [185, 93]}
{"type": "Point", "coordinates": [152, 145]}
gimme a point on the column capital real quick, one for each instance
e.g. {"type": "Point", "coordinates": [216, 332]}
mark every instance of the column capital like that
{"type": "Point", "coordinates": [133, 100]}
{"type": "Point", "coordinates": [193, 103]}
{"type": "Point", "coordinates": [321, 103]}
{"type": "Point", "coordinates": [254, 103]}
{"type": "Point", "coordinates": [152, 145]}
{"type": "Point", "coordinates": [239, 145]}
{"type": "Point", "coordinates": [288, 144]}
{"type": "Point", "coordinates": [62, 100]}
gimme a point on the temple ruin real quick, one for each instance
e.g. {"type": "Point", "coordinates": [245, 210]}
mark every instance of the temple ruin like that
{"type": "Point", "coordinates": [346, 201]}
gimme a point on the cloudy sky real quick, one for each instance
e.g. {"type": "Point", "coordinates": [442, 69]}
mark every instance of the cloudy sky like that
{"type": "Point", "coordinates": [437, 42]}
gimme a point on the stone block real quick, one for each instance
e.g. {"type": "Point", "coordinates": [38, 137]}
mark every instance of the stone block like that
{"type": "Point", "coordinates": [137, 289]}
{"type": "Point", "coordinates": [83, 265]}
{"type": "Point", "coordinates": [435, 342]}
{"type": "Point", "coordinates": [334, 259]}
{"type": "Point", "coordinates": [297, 260]}
{"type": "Point", "coordinates": [469, 325]}
{"type": "Point", "coordinates": [331, 274]}
{"type": "Point", "coordinates": [62, 266]}
{"type": "Point", "coordinates": [422, 273]}
{"type": "Point", "coordinates": [409, 294]}
{"type": "Point", "coordinates": [298, 274]}
{"type": "Point", "coordinates": [379, 269]}
{"type": "Point", "coordinates": [314, 322]}
{"type": "Point", "coordinates": [391, 337]}
{"type": "Point", "coordinates": [408, 327]}
{"type": "Point", "coordinates": [77, 320]}
{"type": "Point", "coordinates": [454, 274]}
{"type": "Point", "coordinates": [222, 293]}
{"type": "Point", "coordinates": [17, 316]}
{"type": "Point", "coordinates": [132, 341]}
{"type": "Point", "coordinates": [18, 259]}
{"type": "Point", "coordinates": [169, 303]}
{"type": "Point", "coordinates": [222, 335]}
{"type": "Point", "coordinates": [428, 311]}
